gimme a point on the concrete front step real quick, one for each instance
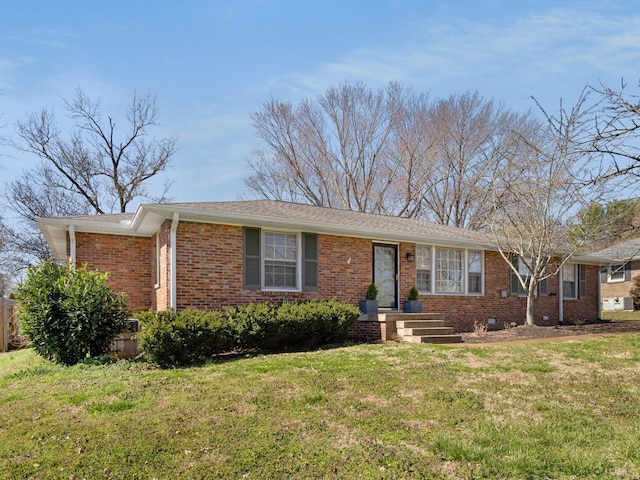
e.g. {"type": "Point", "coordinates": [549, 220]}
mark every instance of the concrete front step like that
{"type": "Point", "coordinates": [421, 332]}
{"type": "Point", "coordinates": [423, 328]}
{"type": "Point", "coordinates": [419, 323]}
{"type": "Point", "coordinates": [440, 339]}
{"type": "Point", "coordinates": [414, 316]}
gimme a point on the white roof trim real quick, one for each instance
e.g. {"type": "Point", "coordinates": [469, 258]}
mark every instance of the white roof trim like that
{"type": "Point", "coordinates": [148, 218]}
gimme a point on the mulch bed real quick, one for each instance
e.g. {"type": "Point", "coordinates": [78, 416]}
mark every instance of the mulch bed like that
{"type": "Point", "coordinates": [522, 332]}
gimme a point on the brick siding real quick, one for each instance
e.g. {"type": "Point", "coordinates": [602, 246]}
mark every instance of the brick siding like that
{"type": "Point", "coordinates": [126, 259]}
{"type": "Point", "coordinates": [209, 273]}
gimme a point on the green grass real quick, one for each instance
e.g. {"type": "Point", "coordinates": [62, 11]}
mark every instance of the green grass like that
{"type": "Point", "coordinates": [620, 315]}
{"type": "Point", "coordinates": [536, 411]}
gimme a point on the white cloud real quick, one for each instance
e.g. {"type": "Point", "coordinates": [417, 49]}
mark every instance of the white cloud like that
{"type": "Point", "coordinates": [534, 50]}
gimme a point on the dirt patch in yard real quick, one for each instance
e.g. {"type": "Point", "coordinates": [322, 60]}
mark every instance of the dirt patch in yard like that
{"type": "Point", "coordinates": [553, 333]}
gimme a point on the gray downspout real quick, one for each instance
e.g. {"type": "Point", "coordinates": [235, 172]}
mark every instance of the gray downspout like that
{"type": "Point", "coordinates": [174, 227]}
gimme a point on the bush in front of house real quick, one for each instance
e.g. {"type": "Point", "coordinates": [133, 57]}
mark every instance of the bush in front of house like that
{"type": "Point", "coordinates": [69, 313]}
{"type": "Point", "coordinates": [192, 336]}
{"type": "Point", "coordinates": [185, 338]}
{"type": "Point", "coordinates": [267, 327]}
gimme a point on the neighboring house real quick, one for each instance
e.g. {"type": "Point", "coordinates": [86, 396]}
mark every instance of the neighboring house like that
{"type": "Point", "coordinates": [616, 277]}
{"type": "Point", "coordinates": [213, 255]}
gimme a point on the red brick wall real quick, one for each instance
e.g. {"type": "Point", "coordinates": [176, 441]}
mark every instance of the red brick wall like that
{"type": "Point", "coordinates": [461, 311]}
{"type": "Point", "coordinates": [209, 276]}
{"type": "Point", "coordinates": [126, 259]}
{"type": "Point", "coordinates": [161, 287]}
{"type": "Point", "coordinates": [584, 308]}
{"type": "Point", "coordinates": [209, 268]}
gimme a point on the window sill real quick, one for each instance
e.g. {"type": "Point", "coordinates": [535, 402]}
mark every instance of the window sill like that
{"type": "Point", "coordinates": [281, 290]}
{"type": "Point", "coordinates": [429, 294]}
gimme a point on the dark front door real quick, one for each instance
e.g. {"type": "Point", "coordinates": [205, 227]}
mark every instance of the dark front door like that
{"type": "Point", "coordinates": [385, 274]}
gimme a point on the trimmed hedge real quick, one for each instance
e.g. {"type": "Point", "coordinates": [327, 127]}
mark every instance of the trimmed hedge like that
{"type": "Point", "coordinates": [186, 338]}
{"type": "Point", "coordinates": [192, 336]}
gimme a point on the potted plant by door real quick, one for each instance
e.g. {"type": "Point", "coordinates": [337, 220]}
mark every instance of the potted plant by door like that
{"type": "Point", "coordinates": [370, 305]}
{"type": "Point", "coordinates": [412, 304]}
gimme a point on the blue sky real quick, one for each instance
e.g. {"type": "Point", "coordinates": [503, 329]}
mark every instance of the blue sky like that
{"type": "Point", "coordinates": [212, 63]}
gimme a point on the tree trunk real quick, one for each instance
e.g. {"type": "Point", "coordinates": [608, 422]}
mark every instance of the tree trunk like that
{"type": "Point", "coordinates": [530, 318]}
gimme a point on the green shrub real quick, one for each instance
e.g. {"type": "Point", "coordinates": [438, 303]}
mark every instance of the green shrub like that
{"type": "Point", "coordinates": [186, 338]}
{"type": "Point", "coordinates": [372, 292]}
{"type": "Point", "coordinates": [69, 313]}
{"type": "Point", "coordinates": [266, 327]}
{"type": "Point", "coordinates": [252, 326]}
{"type": "Point", "coordinates": [413, 293]}
{"type": "Point", "coordinates": [193, 336]}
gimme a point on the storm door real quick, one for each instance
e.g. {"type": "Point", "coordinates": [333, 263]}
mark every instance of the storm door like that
{"type": "Point", "coordinates": [385, 274]}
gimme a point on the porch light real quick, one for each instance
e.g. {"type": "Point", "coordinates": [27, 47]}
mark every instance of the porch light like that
{"type": "Point", "coordinates": [410, 257]}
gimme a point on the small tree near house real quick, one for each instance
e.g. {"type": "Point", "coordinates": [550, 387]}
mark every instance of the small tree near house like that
{"type": "Point", "coordinates": [634, 291]}
{"type": "Point", "coordinates": [537, 203]}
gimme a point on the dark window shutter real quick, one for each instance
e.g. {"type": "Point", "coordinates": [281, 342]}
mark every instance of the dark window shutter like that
{"type": "Point", "coordinates": [627, 271]}
{"type": "Point", "coordinates": [513, 277]}
{"type": "Point", "coordinates": [251, 263]}
{"type": "Point", "coordinates": [604, 274]}
{"type": "Point", "coordinates": [309, 261]}
{"type": "Point", "coordinates": [583, 280]}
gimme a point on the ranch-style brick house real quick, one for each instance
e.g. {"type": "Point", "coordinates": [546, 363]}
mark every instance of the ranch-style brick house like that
{"type": "Point", "coordinates": [217, 254]}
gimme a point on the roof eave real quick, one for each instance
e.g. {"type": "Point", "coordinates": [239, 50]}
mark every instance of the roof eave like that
{"type": "Point", "coordinates": [248, 220]}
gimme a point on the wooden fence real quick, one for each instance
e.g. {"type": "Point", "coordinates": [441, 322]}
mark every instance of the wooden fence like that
{"type": "Point", "coordinates": [8, 327]}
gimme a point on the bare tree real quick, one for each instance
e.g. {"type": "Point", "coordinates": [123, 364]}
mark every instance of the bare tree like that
{"type": "Point", "coordinates": [472, 138]}
{"type": "Point", "coordinates": [539, 202]}
{"type": "Point", "coordinates": [95, 169]}
{"type": "Point", "coordinates": [615, 132]}
{"type": "Point", "coordinates": [330, 152]}
{"type": "Point", "coordinates": [391, 151]}
{"type": "Point", "coordinates": [106, 170]}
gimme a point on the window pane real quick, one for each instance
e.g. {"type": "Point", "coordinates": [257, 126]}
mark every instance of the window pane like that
{"type": "Point", "coordinates": [280, 260]}
{"type": "Point", "coordinates": [569, 289]}
{"type": "Point", "coordinates": [423, 280]}
{"type": "Point", "coordinates": [449, 270]}
{"type": "Point", "coordinates": [475, 262]}
{"type": "Point", "coordinates": [617, 273]}
{"type": "Point", "coordinates": [475, 283]}
{"type": "Point", "coordinates": [569, 273]}
{"type": "Point", "coordinates": [279, 275]}
{"type": "Point", "coordinates": [423, 269]}
{"type": "Point", "coordinates": [569, 281]}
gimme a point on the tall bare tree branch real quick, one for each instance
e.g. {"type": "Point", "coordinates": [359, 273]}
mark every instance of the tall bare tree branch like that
{"type": "Point", "coordinates": [95, 168]}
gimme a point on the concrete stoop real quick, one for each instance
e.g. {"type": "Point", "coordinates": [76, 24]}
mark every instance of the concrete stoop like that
{"type": "Point", "coordinates": [423, 328]}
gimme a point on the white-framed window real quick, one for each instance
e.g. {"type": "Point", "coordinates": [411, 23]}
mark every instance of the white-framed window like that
{"type": "Point", "coordinates": [281, 260]}
{"type": "Point", "coordinates": [445, 270]}
{"type": "Point", "coordinates": [423, 269]}
{"type": "Point", "coordinates": [516, 287]}
{"type": "Point", "coordinates": [616, 273]}
{"type": "Point", "coordinates": [570, 281]}
{"type": "Point", "coordinates": [449, 270]}
{"type": "Point", "coordinates": [574, 281]}
{"type": "Point", "coordinates": [474, 271]}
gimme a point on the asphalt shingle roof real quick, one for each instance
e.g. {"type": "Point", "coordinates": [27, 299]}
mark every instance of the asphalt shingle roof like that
{"type": "Point", "coordinates": [301, 213]}
{"type": "Point", "coordinates": [629, 250]}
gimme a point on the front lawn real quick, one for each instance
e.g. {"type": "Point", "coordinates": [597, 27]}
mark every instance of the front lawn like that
{"type": "Point", "coordinates": [620, 315]}
{"type": "Point", "coordinates": [567, 410]}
